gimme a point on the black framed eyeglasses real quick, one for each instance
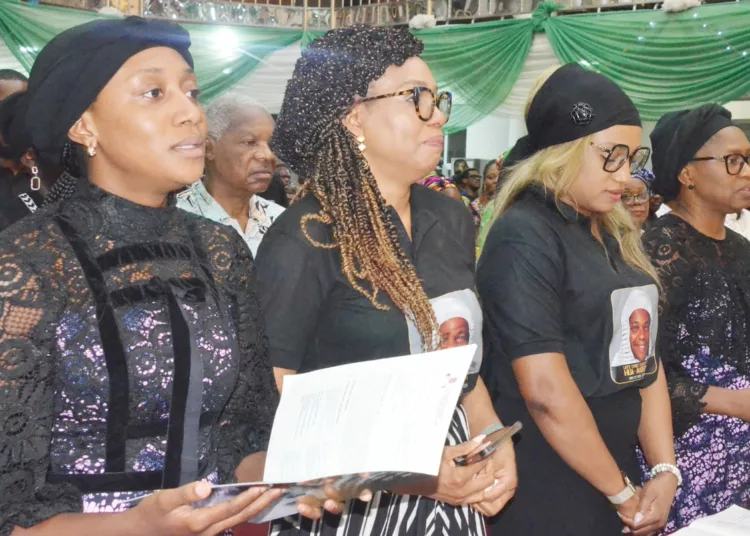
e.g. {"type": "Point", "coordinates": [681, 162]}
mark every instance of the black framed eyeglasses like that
{"type": "Point", "coordinates": [639, 199]}
{"type": "Point", "coordinates": [425, 101]}
{"type": "Point", "coordinates": [619, 154]}
{"type": "Point", "coordinates": [733, 162]}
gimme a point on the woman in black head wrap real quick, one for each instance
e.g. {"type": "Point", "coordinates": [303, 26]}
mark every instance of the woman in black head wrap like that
{"type": "Point", "coordinates": [569, 299]}
{"type": "Point", "coordinates": [21, 188]}
{"type": "Point", "coordinates": [701, 167]}
{"type": "Point", "coordinates": [27, 182]}
{"type": "Point", "coordinates": [349, 271]}
{"type": "Point", "coordinates": [132, 354]}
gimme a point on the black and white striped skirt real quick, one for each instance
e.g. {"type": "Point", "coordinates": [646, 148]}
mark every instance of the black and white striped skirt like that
{"type": "Point", "coordinates": [391, 515]}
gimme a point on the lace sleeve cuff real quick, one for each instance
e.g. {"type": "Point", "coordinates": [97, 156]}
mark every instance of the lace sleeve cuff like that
{"type": "Point", "coordinates": [686, 395]}
{"type": "Point", "coordinates": [46, 503]}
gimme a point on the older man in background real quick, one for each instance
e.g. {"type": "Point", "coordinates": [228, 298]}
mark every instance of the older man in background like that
{"type": "Point", "coordinates": [239, 165]}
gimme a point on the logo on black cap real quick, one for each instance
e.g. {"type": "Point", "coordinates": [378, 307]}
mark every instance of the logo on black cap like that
{"type": "Point", "coordinates": [582, 114]}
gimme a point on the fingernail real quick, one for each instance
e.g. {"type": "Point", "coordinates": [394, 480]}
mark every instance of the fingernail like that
{"type": "Point", "coordinates": [638, 518]}
{"type": "Point", "coordinates": [479, 439]}
{"type": "Point", "coordinates": [203, 489]}
{"type": "Point", "coordinates": [626, 530]}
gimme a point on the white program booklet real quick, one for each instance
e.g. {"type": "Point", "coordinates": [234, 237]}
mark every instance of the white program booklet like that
{"type": "Point", "coordinates": [373, 425]}
{"type": "Point", "coordinates": [734, 521]}
{"type": "Point", "coordinates": [387, 415]}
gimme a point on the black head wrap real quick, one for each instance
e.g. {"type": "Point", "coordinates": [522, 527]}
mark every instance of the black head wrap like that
{"type": "Point", "coordinates": [332, 71]}
{"type": "Point", "coordinates": [16, 140]}
{"type": "Point", "coordinates": [677, 137]}
{"type": "Point", "coordinates": [571, 104]}
{"type": "Point", "coordinates": [73, 68]}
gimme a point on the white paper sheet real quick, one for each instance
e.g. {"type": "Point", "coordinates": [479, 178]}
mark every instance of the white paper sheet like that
{"type": "Point", "coordinates": [374, 425]}
{"type": "Point", "coordinates": [375, 416]}
{"type": "Point", "coordinates": [734, 521]}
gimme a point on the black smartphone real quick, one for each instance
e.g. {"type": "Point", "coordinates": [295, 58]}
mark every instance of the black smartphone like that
{"type": "Point", "coordinates": [495, 439]}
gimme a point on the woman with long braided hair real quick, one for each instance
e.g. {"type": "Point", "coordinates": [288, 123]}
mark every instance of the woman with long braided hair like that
{"type": "Point", "coordinates": [357, 267]}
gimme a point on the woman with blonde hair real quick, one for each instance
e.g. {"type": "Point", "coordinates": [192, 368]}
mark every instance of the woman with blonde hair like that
{"type": "Point", "coordinates": [559, 267]}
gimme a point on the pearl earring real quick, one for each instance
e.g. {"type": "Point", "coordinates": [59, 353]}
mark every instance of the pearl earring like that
{"type": "Point", "coordinates": [92, 151]}
{"type": "Point", "coordinates": [361, 141]}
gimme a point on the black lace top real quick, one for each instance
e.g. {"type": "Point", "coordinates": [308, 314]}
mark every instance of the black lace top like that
{"type": "Point", "coordinates": [704, 312]}
{"type": "Point", "coordinates": [132, 356]}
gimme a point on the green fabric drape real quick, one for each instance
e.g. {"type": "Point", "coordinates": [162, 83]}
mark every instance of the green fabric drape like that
{"type": "Point", "coordinates": [478, 63]}
{"type": "Point", "coordinates": [663, 61]}
{"type": "Point", "coordinates": [220, 66]}
{"type": "Point", "coordinates": [223, 55]}
{"type": "Point", "coordinates": [310, 36]}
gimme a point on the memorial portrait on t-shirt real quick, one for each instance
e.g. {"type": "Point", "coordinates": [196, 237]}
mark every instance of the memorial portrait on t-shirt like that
{"type": "Point", "coordinates": [632, 352]}
{"type": "Point", "coordinates": [459, 319]}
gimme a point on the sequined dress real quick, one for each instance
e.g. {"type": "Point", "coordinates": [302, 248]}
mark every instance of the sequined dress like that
{"type": "Point", "coordinates": [704, 340]}
{"type": "Point", "coordinates": [132, 357]}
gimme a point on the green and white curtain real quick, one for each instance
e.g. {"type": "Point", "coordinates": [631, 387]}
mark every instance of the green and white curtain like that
{"type": "Point", "coordinates": [664, 61]}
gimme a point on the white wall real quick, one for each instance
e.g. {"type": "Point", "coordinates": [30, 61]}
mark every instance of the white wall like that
{"type": "Point", "coordinates": [740, 110]}
{"type": "Point", "coordinates": [648, 128]}
{"type": "Point", "coordinates": [492, 136]}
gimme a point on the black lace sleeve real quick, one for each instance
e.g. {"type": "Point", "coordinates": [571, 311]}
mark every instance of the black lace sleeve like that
{"type": "Point", "coordinates": [671, 256]}
{"type": "Point", "coordinates": [27, 314]}
{"type": "Point", "coordinates": [245, 425]}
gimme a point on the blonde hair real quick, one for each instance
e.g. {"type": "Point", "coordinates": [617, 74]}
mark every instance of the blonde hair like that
{"type": "Point", "coordinates": [555, 169]}
{"type": "Point", "coordinates": [537, 85]}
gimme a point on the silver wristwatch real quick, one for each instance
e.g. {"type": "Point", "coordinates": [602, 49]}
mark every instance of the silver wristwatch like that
{"type": "Point", "coordinates": [625, 495]}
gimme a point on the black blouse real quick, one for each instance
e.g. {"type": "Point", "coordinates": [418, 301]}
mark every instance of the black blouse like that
{"type": "Point", "coordinates": [548, 286]}
{"type": "Point", "coordinates": [315, 319]}
{"type": "Point", "coordinates": [132, 356]}
{"type": "Point", "coordinates": [705, 311]}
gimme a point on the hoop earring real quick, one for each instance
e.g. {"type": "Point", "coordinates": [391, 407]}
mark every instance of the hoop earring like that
{"type": "Point", "coordinates": [92, 151]}
{"type": "Point", "coordinates": [361, 141]}
{"type": "Point", "coordinates": [36, 182]}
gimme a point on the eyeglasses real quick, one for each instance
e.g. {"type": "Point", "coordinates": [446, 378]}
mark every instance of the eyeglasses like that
{"type": "Point", "coordinates": [733, 162]}
{"type": "Point", "coordinates": [630, 199]}
{"type": "Point", "coordinates": [619, 154]}
{"type": "Point", "coordinates": [425, 101]}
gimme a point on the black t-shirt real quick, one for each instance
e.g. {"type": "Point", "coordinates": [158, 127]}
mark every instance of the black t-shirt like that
{"type": "Point", "coordinates": [17, 199]}
{"type": "Point", "coordinates": [316, 319]}
{"type": "Point", "coordinates": [548, 286]}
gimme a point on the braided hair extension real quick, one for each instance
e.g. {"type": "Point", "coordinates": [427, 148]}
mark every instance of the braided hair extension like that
{"type": "Point", "coordinates": [372, 258]}
{"type": "Point", "coordinates": [311, 139]}
{"type": "Point", "coordinates": [67, 184]}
